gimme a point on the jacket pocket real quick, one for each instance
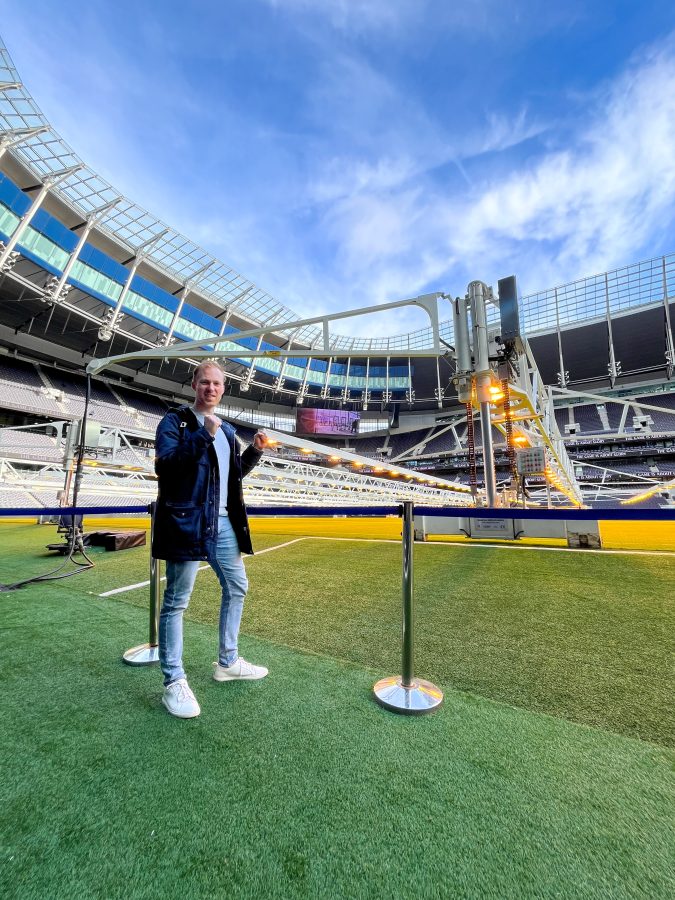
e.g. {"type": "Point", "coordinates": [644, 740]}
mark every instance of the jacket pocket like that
{"type": "Point", "coordinates": [183, 524]}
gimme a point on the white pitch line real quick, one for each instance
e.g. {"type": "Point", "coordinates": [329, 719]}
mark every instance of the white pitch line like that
{"type": "Point", "coordinates": [322, 537]}
{"type": "Point", "coordinates": [276, 547]}
{"type": "Point", "coordinates": [129, 587]}
{"type": "Point", "coordinates": [584, 550]}
{"type": "Point", "coordinates": [500, 546]}
{"type": "Point", "coordinates": [133, 587]}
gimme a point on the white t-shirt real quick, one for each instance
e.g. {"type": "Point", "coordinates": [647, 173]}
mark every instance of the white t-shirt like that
{"type": "Point", "coordinates": [223, 452]}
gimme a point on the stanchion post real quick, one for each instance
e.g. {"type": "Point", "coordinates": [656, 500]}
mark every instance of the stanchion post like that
{"type": "Point", "coordinates": [408, 635]}
{"type": "Point", "coordinates": [155, 595]}
{"type": "Point", "coordinates": [404, 693]}
{"type": "Point", "coordinates": [148, 654]}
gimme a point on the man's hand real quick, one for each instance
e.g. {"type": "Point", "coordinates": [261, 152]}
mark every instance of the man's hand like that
{"type": "Point", "coordinates": [260, 441]}
{"type": "Point", "coordinates": [212, 424]}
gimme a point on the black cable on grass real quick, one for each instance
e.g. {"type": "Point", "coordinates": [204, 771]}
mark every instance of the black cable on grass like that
{"type": "Point", "coordinates": [75, 542]}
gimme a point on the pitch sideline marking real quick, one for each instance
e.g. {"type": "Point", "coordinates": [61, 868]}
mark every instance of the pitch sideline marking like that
{"type": "Point", "coordinates": [500, 546]}
{"type": "Point", "coordinates": [133, 587]}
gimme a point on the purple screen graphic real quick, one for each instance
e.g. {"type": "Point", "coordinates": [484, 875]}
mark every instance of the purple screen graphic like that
{"type": "Point", "coordinates": [326, 421]}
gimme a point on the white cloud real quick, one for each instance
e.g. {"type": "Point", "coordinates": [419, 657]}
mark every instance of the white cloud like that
{"type": "Point", "coordinates": [600, 203]}
{"type": "Point", "coordinates": [505, 131]}
{"type": "Point", "coordinates": [603, 199]}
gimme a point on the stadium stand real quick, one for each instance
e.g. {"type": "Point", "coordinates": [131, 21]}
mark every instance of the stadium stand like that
{"type": "Point", "coordinates": [20, 499]}
{"type": "Point", "coordinates": [21, 388]}
{"type": "Point", "coordinates": [588, 418]}
{"type": "Point", "coordinates": [441, 444]}
{"type": "Point", "coordinates": [150, 408]}
{"type": "Point", "coordinates": [402, 443]}
{"type": "Point", "coordinates": [370, 446]}
{"type": "Point", "coordinates": [29, 445]}
{"type": "Point", "coordinates": [615, 412]}
{"type": "Point", "coordinates": [562, 417]}
{"type": "Point", "coordinates": [662, 421]}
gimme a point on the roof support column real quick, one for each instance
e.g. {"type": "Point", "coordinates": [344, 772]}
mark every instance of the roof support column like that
{"type": "Point", "coordinates": [181, 300]}
{"type": "Point", "coordinates": [410, 393]}
{"type": "Point", "coordinates": [27, 217]}
{"type": "Point", "coordinates": [563, 375]}
{"type": "Point", "coordinates": [302, 392]}
{"type": "Point", "coordinates": [229, 309]}
{"type": "Point", "coordinates": [325, 390]}
{"type": "Point", "coordinates": [113, 316]}
{"type": "Point", "coordinates": [59, 290]}
{"type": "Point", "coordinates": [346, 393]}
{"type": "Point", "coordinates": [439, 390]}
{"type": "Point", "coordinates": [478, 294]}
{"type": "Point", "coordinates": [366, 389]}
{"type": "Point", "coordinates": [670, 347]}
{"type": "Point", "coordinates": [246, 383]}
{"type": "Point", "coordinates": [613, 367]}
{"type": "Point", "coordinates": [18, 135]}
{"type": "Point", "coordinates": [279, 383]}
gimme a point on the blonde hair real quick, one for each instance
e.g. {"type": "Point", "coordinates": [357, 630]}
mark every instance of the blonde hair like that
{"type": "Point", "coordinates": [206, 364]}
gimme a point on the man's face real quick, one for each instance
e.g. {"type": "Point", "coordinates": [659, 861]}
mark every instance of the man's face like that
{"type": "Point", "coordinates": [208, 386]}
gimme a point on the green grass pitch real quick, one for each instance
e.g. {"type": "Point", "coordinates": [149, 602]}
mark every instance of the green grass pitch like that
{"type": "Point", "coordinates": [548, 772]}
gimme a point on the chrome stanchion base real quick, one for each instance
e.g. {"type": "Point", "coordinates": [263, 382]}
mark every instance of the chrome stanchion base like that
{"type": "Point", "coordinates": [143, 655]}
{"type": "Point", "coordinates": [421, 697]}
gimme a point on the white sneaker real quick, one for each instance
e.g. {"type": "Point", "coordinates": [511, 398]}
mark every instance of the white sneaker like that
{"type": "Point", "coordinates": [180, 701]}
{"type": "Point", "coordinates": [240, 670]}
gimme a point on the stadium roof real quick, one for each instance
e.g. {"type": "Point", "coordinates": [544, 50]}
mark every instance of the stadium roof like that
{"type": "Point", "coordinates": [45, 153]}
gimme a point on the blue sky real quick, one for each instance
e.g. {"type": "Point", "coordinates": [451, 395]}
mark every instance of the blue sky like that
{"type": "Point", "coordinates": [342, 153]}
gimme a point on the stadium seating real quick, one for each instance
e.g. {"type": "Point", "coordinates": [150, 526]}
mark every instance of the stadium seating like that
{"type": "Point", "coordinates": [441, 444]}
{"type": "Point", "coordinates": [614, 415]}
{"type": "Point", "coordinates": [29, 445]}
{"type": "Point", "coordinates": [402, 443]}
{"type": "Point", "coordinates": [662, 422]}
{"type": "Point", "coordinates": [21, 388]}
{"type": "Point", "coordinates": [562, 417]}
{"type": "Point", "coordinates": [370, 447]}
{"type": "Point", "coordinates": [588, 418]}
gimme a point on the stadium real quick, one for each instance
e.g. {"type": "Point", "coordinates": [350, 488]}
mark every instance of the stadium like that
{"type": "Point", "coordinates": [531, 437]}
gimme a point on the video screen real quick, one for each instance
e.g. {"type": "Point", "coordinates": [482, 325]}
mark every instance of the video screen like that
{"type": "Point", "coordinates": [327, 421]}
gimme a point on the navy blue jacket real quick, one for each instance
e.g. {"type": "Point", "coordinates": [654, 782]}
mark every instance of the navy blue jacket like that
{"type": "Point", "coordinates": [186, 519]}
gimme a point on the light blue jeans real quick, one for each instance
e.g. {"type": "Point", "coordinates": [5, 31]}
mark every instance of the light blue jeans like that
{"type": "Point", "coordinates": [180, 578]}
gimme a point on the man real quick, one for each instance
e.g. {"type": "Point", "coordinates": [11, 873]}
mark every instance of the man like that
{"type": "Point", "coordinates": [201, 516]}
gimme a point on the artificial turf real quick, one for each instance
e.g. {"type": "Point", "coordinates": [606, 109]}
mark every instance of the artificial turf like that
{"type": "Point", "coordinates": [299, 785]}
{"type": "Point", "coordinates": [585, 636]}
{"type": "Point", "coordinates": [590, 637]}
